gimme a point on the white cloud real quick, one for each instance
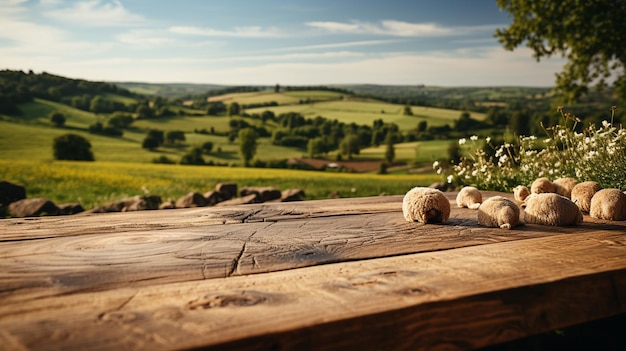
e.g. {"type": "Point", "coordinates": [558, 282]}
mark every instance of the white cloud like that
{"type": "Point", "coordinates": [244, 32]}
{"type": "Point", "coordinates": [145, 37]}
{"type": "Point", "coordinates": [96, 13]}
{"type": "Point", "coordinates": [338, 45]}
{"type": "Point", "coordinates": [495, 67]}
{"type": "Point", "coordinates": [386, 27]}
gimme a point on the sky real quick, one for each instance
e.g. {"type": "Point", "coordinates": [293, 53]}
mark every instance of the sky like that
{"type": "Point", "coordinates": [268, 42]}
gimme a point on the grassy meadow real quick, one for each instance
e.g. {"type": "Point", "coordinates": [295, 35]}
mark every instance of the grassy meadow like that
{"type": "Point", "coordinates": [97, 183]}
{"type": "Point", "coordinates": [123, 168]}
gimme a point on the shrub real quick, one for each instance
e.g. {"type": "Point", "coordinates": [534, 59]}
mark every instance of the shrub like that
{"type": "Point", "coordinates": [57, 118]}
{"type": "Point", "coordinates": [72, 147]}
{"type": "Point", "coordinates": [598, 153]}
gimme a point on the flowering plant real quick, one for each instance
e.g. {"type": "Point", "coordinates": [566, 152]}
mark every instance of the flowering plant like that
{"type": "Point", "coordinates": [596, 153]}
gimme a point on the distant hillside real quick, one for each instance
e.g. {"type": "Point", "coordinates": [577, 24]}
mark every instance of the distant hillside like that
{"type": "Point", "coordinates": [169, 90]}
{"type": "Point", "coordinates": [17, 87]}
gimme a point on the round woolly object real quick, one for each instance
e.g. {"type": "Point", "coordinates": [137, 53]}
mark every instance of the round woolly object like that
{"type": "Point", "coordinates": [609, 204]}
{"type": "Point", "coordinates": [469, 197]}
{"type": "Point", "coordinates": [541, 185]}
{"type": "Point", "coordinates": [564, 186]}
{"type": "Point", "coordinates": [582, 194]}
{"type": "Point", "coordinates": [498, 211]}
{"type": "Point", "coordinates": [551, 209]}
{"type": "Point", "coordinates": [425, 205]}
{"type": "Point", "coordinates": [520, 193]}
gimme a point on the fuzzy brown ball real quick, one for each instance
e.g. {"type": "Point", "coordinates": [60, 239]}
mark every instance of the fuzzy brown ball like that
{"type": "Point", "coordinates": [541, 185]}
{"type": "Point", "coordinates": [582, 194]}
{"type": "Point", "coordinates": [425, 205]}
{"type": "Point", "coordinates": [469, 197]}
{"type": "Point", "coordinates": [498, 212]}
{"type": "Point", "coordinates": [551, 209]}
{"type": "Point", "coordinates": [564, 186]}
{"type": "Point", "coordinates": [520, 193]}
{"type": "Point", "coordinates": [609, 204]}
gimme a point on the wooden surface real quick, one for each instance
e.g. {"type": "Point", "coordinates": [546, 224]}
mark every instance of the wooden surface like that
{"type": "Point", "coordinates": [330, 274]}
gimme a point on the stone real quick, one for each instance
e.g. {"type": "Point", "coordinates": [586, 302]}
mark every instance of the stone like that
{"type": "Point", "coordinates": [141, 203]}
{"type": "Point", "coordinates": [244, 200]}
{"type": "Point", "coordinates": [264, 193]}
{"type": "Point", "coordinates": [291, 195]}
{"type": "Point", "coordinates": [228, 190]}
{"type": "Point", "coordinates": [32, 208]}
{"type": "Point", "coordinates": [168, 205]}
{"type": "Point", "coordinates": [71, 208]}
{"type": "Point", "coordinates": [10, 192]}
{"type": "Point", "coordinates": [214, 197]}
{"type": "Point", "coordinates": [192, 199]}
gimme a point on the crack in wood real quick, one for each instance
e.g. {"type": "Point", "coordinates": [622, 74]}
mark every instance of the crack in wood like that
{"type": "Point", "coordinates": [237, 261]}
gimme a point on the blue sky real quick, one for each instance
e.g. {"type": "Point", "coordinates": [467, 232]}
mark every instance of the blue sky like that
{"type": "Point", "coordinates": [265, 42]}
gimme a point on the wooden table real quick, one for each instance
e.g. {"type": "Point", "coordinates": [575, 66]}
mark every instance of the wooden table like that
{"type": "Point", "coordinates": [328, 274]}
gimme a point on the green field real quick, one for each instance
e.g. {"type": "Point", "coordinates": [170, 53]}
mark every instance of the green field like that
{"type": "Point", "coordinates": [366, 112]}
{"type": "Point", "coordinates": [97, 183]}
{"type": "Point", "coordinates": [424, 152]}
{"type": "Point", "coordinates": [123, 168]}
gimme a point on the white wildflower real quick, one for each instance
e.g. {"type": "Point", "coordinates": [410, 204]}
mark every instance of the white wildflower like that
{"type": "Point", "coordinates": [462, 141]}
{"type": "Point", "coordinates": [450, 178]}
{"type": "Point", "coordinates": [435, 164]}
{"type": "Point", "coordinates": [488, 139]}
{"type": "Point", "coordinates": [474, 138]}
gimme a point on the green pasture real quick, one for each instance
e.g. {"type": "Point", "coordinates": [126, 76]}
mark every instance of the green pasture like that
{"type": "Point", "coordinates": [418, 152]}
{"type": "Point", "coordinates": [119, 98]}
{"type": "Point", "coordinates": [366, 112]}
{"type": "Point", "coordinates": [256, 97]}
{"type": "Point", "coordinates": [97, 183]}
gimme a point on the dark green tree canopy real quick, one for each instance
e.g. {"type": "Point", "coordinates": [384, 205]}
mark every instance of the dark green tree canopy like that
{"type": "Point", "coordinates": [589, 34]}
{"type": "Point", "coordinates": [72, 147]}
{"type": "Point", "coordinates": [57, 118]}
{"type": "Point", "coordinates": [247, 144]}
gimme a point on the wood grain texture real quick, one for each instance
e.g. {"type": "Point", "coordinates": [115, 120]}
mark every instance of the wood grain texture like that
{"type": "Point", "coordinates": [330, 274]}
{"type": "Point", "coordinates": [454, 299]}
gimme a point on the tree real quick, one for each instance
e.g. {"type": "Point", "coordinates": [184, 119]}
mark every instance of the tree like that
{"type": "Point", "coordinates": [72, 147]}
{"type": "Point", "coordinates": [157, 134]}
{"type": "Point", "coordinates": [247, 144]}
{"type": "Point", "coordinates": [174, 136]}
{"type": "Point", "coordinates": [316, 146]}
{"type": "Point", "coordinates": [207, 146]}
{"type": "Point", "coordinates": [193, 157]}
{"type": "Point", "coordinates": [390, 152]}
{"type": "Point", "coordinates": [589, 34]}
{"type": "Point", "coordinates": [57, 118]}
{"type": "Point", "coordinates": [421, 126]}
{"type": "Point", "coordinates": [350, 146]}
{"type": "Point", "coordinates": [120, 120]}
{"type": "Point", "coordinates": [407, 111]}
{"type": "Point", "coordinates": [150, 143]}
{"type": "Point", "coordinates": [233, 109]}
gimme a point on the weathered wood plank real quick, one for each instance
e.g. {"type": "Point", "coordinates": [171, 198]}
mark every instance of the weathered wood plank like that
{"type": "Point", "coordinates": [453, 299]}
{"type": "Point", "coordinates": [57, 265]}
{"type": "Point", "coordinates": [16, 229]}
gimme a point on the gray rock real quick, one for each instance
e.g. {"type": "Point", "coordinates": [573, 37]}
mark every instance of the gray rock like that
{"type": "Point", "coordinates": [33, 208]}
{"type": "Point", "coordinates": [141, 203]}
{"type": "Point", "coordinates": [10, 192]}
{"type": "Point", "coordinates": [214, 197]}
{"type": "Point", "coordinates": [192, 199]}
{"type": "Point", "coordinates": [71, 208]}
{"type": "Point", "coordinates": [244, 200]}
{"type": "Point", "coordinates": [168, 205]}
{"type": "Point", "coordinates": [291, 195]}
{"type": "Point", "coordinates": [228, 190]}
{"type": "Point", "coordinates": [264, 193]}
